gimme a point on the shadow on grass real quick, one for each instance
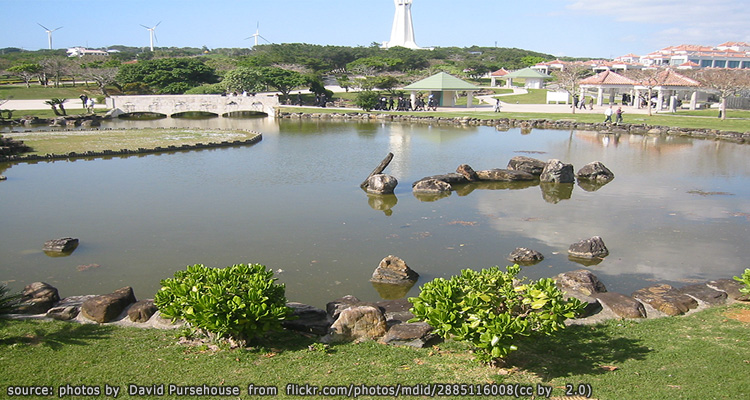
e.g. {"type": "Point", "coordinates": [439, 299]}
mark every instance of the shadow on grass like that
{"type": "Point", "coordinates": [58, 335]}
{"type": "Point", "coordinates": [577, 350]}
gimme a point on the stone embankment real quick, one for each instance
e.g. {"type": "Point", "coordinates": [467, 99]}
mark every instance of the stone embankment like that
{"type": "Point", "coordinates": [350, 319]}
{"type": "Point", "coordinates": [508, 123]}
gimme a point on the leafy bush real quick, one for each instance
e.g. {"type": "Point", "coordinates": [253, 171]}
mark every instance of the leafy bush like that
{"type": "Point", "coordinates": [239, 302]}
{"type": "Point", "coordinates": [490, 309]}
{"type": "Point", "coordinates": [367, 100]}
{"type": "Point", "coordinates": [746, 280]}
{"type": "Point", "coordinates": [8, 302]}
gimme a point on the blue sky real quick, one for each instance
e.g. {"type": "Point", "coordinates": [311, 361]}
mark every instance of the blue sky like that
{"type": "Point", "coordinates": [579, 28]}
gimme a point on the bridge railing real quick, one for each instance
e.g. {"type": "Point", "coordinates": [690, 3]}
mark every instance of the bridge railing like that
{"type": "Point", "coordinates": [211, 103]}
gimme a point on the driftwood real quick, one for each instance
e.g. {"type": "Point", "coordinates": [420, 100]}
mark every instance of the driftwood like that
{"type": "Point", "coordinates": [380, 168]}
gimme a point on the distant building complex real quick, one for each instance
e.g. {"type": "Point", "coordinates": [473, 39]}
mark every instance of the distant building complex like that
{"type": "Point", "coordinates": [82, 51]}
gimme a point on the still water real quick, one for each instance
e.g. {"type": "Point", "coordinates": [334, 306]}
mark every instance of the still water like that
{"type": "Point", "coordinates": [676, 212]}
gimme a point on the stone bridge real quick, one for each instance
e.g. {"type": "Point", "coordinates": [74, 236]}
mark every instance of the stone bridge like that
{"type": "Point", "coordinates": [170, 105]}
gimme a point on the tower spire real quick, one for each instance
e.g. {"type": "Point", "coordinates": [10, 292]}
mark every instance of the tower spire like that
{"type": "Point", "coordinates": [402, 32]}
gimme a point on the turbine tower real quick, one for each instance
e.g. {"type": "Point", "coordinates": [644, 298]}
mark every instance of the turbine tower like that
{"type": "Point", "coordinates": [152, 34]}
{"type": "Point", "coordinates": [49, 33]}
{"type": "Point", "coordinates": [402, 33]}
{"type": "Point", "coordinates": [257, 35]}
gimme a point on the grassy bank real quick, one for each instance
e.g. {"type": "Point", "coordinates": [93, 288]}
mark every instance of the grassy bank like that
{"type": "Point", "coordinates": [705, 355]}
{"type": "Point", "coordinates": [675, 120]}
{"type": "Point", "coordinates": [61, 141]}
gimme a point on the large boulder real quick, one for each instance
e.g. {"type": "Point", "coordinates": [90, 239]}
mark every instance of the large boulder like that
{"type": "Point", "coordinates": [558, 172]}
{"type": "Point", "coordinates": [335, 307]}
{"type": "Point", "coordinates": [107, 307]}
{"type": "Point", "coordinates": [37, 298]}
{"type": "Point", "coordinates": [581, 280]}
{"type": "Point", "coordinates": [467, 172]}
{"type": "Point", "coordinates": [524, 256]}
{"type": "Point", "coordinates": [307, 319]}
{"type": "Point", "coordinates": [358, 324]}
{"type": "Point", "coordinates": [396, 311]}
{"type": "Point", "coordinates": [432, 186]}
{"type": "Point", "coordinates": [731, 287]}
{"type": "Point", "coordinates": [62, 246]}
{"type": "Point", "coordinates": [452, 179]}
{"type": "Point", "coordinates": [705, 294]}
{"type": "Point", "coordinates": [666, 299]}
{"type": "Point", "coordinates": [596, 172]}
{"type": "Point", "coordinates": [621, 305]}
{"type": "Point", "coordinates": [381, 184]}
{"type": "Point", "coordinates": [589, 248]}
{"type": "Point", "coordinates": [417, 334]}
{"type": "Point", "coordinates": [393, 270]}
{"type": "Point", "coordinates": [142, 311]}
{"type": "Point", "coordinates": [504, 175]}
{"type": "Point", "coordinates": [526, 164]}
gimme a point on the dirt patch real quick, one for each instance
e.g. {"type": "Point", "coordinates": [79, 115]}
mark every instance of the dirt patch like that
{"type": "Point", "coordinates": [739, 315]}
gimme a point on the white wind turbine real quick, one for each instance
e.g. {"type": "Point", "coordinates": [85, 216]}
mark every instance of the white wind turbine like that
{"type": "Point", "coordinates": [152, 34]}
{"type": "Point", "coordinates": [49, 33]}
{"type": "Point", "coordinates": [257, 35]}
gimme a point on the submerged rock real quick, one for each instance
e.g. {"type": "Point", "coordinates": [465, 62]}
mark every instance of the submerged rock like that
{"type": "Point", "coordinates": [393, 270]}
{"type": "Point", "coordinates": [526, 256]}
{"type": "Point", "coordinates": [596, 172]}
{"type": "Point", "coordinates": [527, 164]}
{"type": "Point", "coordinates": [558, 172]}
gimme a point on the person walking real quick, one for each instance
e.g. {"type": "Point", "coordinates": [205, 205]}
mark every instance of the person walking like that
{"type": "Point", "coordinates": [608, 114]}
{"type": "Point", "coordinates": [618, 118]}
{"type": "Point", "coordinates": [497, 105]}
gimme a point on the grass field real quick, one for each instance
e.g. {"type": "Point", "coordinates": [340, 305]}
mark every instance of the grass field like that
{"type": "Point", "coordinates": [705, 355]}
{"type": "Point", "coordinates": [61, 142]}
{"type": "Point", "coordinates": [21, 92]}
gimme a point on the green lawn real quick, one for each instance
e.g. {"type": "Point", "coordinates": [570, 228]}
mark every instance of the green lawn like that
{"type": "Point", "coordinates": [675, 120]}
{"type": "Point", "coordinates": [534, 96]}
{"type": "Point", "coordinates": [21, 92]}
{"type": "Point", "coordinates": [701, 356]}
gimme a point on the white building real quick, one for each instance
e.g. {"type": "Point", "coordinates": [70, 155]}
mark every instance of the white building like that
{"type": "Point", "coordinates": [82, 51]}
{"type": "Point", "coordinates": [725, 55]}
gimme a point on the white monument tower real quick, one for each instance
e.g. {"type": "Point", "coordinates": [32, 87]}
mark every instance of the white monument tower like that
{"type": "Point", "coordinates": [402, 33]}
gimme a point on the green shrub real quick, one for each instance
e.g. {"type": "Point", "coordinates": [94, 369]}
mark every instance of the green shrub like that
{"type": "Point", "coordinates": [746, 280]}
{"type": "Point", "coordinates": [239, 302]}
{"type": "Point", "coordinates": [491, 309]}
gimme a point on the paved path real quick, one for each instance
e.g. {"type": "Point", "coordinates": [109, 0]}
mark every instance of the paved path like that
{"type": "Point", "coordinates": [73, 105]}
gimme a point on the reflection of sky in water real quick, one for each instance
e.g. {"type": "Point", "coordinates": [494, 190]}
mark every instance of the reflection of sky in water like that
{"type": "Point", "coordinates": [293, 203]}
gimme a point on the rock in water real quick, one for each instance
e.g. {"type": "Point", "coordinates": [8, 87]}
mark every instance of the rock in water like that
{"type": "Point", "coordinates": [381, 184]}
{"type": "Point", "coordinates": [62, 246]}
{"type": "Point", "coordinates": [558, 172]}
{"type": "Point", "coordinates": [589, 248]}
{"type": "Point", "coordinates": [394, 270]}
{"type": "Point", "coordinates": [595, 171]}
{"type": "Point", "coordinates": [523, 255]}
{"type": "Point", "coordinates": [526, 164]}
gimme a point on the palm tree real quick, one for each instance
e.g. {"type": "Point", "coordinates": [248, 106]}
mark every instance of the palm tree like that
{"type": "Point", "coordinates": [54, 103]}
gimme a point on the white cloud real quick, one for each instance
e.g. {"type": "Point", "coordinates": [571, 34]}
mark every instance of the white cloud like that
{"type": "Point", "coordinates": [676, 21]}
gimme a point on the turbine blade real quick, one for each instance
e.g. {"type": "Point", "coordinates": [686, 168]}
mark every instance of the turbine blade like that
{"type": "Point", "coordinates": [57, 28]}
{"type": "Point", "coordinates": [157, 24]}
{"type": "Point", "coordinates": [264, 39]}
{"type": "Point", "coordinates": [45, 28]}
{"type": "Point", "coordinates": [156, 39]}
{"type": "Point", "coordinates": [144, 26]}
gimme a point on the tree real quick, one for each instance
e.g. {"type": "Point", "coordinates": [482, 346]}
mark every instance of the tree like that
{"type": "Point", "coordinates": [344, 82]}
{"type": "Point", "coordinates": [55, 103]}
{"type": "Point", "coordinates": [27, 71]}
{"type": "Point", "coordinates": [282, 80]}
{"type": "Point", "coordinates": [367, 100]}
{"type": "Point", "coordinates": [168, 75]}
{"type": "Point", "coordinates": [55, 67]}
{"type": "Point", "coordinates": [386, 82]}
{"type": "Point", "coordinates": [243, 79]}
{"type": "Point", "coordinates": [727, 82]}
{"type": "Point", "coordinates": [569, 77]}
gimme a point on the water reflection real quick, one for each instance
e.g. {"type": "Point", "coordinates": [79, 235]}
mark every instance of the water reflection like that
{"type": "Point", "coordinates": [292, 202]}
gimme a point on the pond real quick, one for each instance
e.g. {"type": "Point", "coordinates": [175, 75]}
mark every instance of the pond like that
{"type": "Point", "coordinates": [677, 211]}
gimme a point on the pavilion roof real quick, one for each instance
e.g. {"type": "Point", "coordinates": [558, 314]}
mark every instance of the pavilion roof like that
{"type": "Point", "coordinates": [441, 81]}
{"type": "Point", "coordinates": [671, 78]}
{"type": "Point", "coordinates": [527, 73]}
{"type": "Point", "coordinates": [607, 78]}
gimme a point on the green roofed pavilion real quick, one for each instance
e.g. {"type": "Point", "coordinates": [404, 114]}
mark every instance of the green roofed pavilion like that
{"type": "Point", "coordinates": [444, 87]}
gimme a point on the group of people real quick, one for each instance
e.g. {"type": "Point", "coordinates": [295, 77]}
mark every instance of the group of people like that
{"type": "Point", "coordinates": [88, 103]}
{"type": "Point", "coordinates": [581, 103]}
{"type": "Point", "coordinates": [609, 112]}
{"type": "Point", "coordinates": [405, 104]}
